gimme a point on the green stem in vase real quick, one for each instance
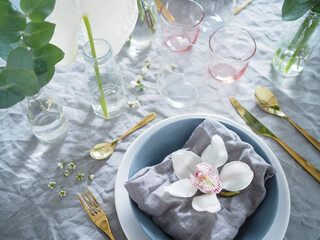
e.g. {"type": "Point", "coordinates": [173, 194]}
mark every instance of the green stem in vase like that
{"type": "Point", "coordinates": [102, 98]}
{"type": "Point", "coordinates": [306, 31]}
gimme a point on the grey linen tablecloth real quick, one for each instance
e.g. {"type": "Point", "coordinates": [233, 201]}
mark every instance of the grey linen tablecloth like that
{"type": "Point", "coordinates": [175, 216]}
{"type": "Point", "coordinates": [30, 210]}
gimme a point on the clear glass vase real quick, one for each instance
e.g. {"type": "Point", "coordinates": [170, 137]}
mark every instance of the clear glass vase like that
{"type": "Point", "coordinates": [146, 26]}
{"type": "Point", "coordinates": [44, 113]}
{"type": "Point", "coordinates": [104, 80]}
{"type": "Point", "coordinates": [298, 42]}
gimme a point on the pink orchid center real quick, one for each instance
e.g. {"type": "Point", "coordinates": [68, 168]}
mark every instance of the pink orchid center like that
{"type": "Point", "coordinates": [208, 182]}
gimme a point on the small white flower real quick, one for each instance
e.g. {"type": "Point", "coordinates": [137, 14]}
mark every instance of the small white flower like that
{"type": "Point", "coordinates": [61, 164]}
{"type": "Point", "coordinates": [139, 78]}
{"type": "Point", "coordinates": [144, 70]}
{"type": "Point", "coordinates": [66, 173]}
{"type": "Point", "coordinates": [72, 165]}
{"type": "Point", "coordinates": [62, 193]}
{"type": "Point", "coordinates": [134, 104]}
{"type": "Point", "coordinates": [133, 84]}
{"type": "Point", "coordinates": [80, 176]}
{"type": "Point", "coordinates": [52, 185]}
{"type": "Point", "coordinates": [91, 176]}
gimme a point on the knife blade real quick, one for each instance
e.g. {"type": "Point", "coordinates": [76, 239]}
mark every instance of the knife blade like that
{"type": "Point", "coordinates": [257, 126]}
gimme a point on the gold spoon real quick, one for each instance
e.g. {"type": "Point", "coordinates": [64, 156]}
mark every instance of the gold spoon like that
{"type": "Point", "coordinates": [104, 150]}
{"type": "Point", "coordinates": [269, 103]}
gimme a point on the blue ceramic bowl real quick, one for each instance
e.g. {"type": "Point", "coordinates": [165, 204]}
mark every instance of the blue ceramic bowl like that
{"type": "Point", "coordinates": [172, 137]}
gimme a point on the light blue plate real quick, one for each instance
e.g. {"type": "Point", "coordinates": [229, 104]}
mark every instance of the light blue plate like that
{"type": "Point", "coordinates": [172, 137]}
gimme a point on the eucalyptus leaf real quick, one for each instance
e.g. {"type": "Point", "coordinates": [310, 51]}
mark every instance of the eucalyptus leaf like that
{"type": "Point", "coordinates": [7, 36]}
{"type": "Point", "coordinates": [37, 10]}
{"type": "Point", "coordinates": [316, 7]}
{"type": "Point", "coordinates": [8, 98]}
{"type": "Point", "coordinates": [20, 58]}
{"type": "Point", "coordinates": [19, 81]}
{"type": "Point", "coordinates": [10, 18]}
{"type": "Point", "coordinates": [6, 48]}
{"type": "Point", "coordinates": [49, 53]}
{"type": "Point", "coordinates": [294, 9]}
{"type": "Point", "coordinates": [45, 77]}
{"type": "Point", "coordinates": [37, 35]}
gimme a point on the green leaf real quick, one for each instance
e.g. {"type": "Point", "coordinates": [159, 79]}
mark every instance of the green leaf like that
{"type": "Point", "coordinates": [10, 18]}
{"type": "Point", "coordinates": [316, 7]}
{"type": "Point", "coordinates": [294, 9]}
{"type": "Point", "coordinates": [45, 77]}
{"type": "Point", "coordinates": [37, 35]}
{"type": "Point", "coordinates": [6, 48]}
{"type": "Point", "coordinates": [15, 84]}
{"type": "Point", "coordinates": [37, 10]}
{"type": "Point", "coordinates": [49, 54]}
{"type": "Point", "coordinates": [7, 36]}
{"type": "Point", "coordinates": [20, 58]}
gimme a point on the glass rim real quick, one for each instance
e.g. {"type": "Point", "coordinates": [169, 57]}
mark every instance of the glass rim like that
{"type": "Point", "coordinates": [164, 19]}
{"type": "Point", "coordinates": [238, 29]}
{"type": "Point", "coordinates": [99, 59]}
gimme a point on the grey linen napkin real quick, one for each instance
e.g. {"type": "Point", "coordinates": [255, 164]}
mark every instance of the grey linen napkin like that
{"type": "Point", "coordinates": [175, 216]}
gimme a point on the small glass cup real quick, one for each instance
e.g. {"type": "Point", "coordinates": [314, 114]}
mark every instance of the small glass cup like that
{"type": "Point", "coordinates": [185, 28]}
{"type": "Point", "coordinates": [182, 75]}
{"type": "Point", "coordinates": [231, 49]}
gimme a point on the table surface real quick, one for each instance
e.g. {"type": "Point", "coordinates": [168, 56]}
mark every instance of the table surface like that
{"type": "Point", "coordinates": [30, 210]}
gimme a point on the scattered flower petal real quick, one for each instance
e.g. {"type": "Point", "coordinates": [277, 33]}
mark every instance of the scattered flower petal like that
{"type": "Point", "coordinates": [52, 185]}
{"type": "Point", "coordinates": [80, 176]}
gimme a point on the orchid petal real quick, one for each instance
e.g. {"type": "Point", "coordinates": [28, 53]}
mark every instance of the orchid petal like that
{"type": "Point", "coordinates": [67, 16]}
{"type": "Point", "coordinates": [235, 176]}
{"type": "Point", "coordinates": [111, 20]}
{"type": "Point", "coordinates": [215, 154]}
{"type": "Point", "coordinates": [185, 163]}
{"type": "Point", "coordinates": [181, 188]}
{"type": "Point", "coordinates": [206, 202]}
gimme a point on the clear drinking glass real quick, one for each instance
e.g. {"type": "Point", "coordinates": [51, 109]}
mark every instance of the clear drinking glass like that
{"type": "Point", "coordinates": [185, 28]}
{"type": "Point", "coordinates": [230, 50]}
{"type": "Point", "coordinates": [104, 80]}
{"type": "Point", "coordinates": [182, 75]}
{"type": "Point", "coordinates": [44, 114]}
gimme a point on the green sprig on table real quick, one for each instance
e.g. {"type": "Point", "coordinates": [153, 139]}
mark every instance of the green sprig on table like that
{"type": "Point", "coordinates": [24, 46]}
{"type": "Point", "coordinates": [293, 10]}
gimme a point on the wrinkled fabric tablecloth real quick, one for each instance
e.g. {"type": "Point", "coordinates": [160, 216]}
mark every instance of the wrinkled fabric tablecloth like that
{"type": "Point", "coordinates": [29, 209]}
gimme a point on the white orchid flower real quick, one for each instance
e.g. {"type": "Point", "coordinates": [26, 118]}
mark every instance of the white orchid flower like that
{"type": "Point", "coordinates": [201, 173]}
{"type": "Point", "coordinates": [111, 20]}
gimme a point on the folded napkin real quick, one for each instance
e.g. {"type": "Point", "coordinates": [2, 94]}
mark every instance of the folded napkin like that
{"type": "Point", "coordinates": [175, 216]}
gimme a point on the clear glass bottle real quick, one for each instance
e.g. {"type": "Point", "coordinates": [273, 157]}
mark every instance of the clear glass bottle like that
{"type": "Point", "coordinates": [146, 26]}
{"type": "Point", "coordinates": [297, 44]}
{"type": "Point", "coordinates": [44, 113]}
{"type": "Point", "coordinates": [104, 80]}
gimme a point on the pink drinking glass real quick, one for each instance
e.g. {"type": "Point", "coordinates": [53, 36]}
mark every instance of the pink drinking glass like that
{"type": "Point", "coordinates": [185, 28]}
{"type": "Point", "coordinates": [230, 51]}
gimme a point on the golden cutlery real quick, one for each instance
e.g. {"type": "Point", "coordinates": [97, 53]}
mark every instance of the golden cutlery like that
{"type": "Point", "coordinates": [165, 11]}
{"type": "Point", "coordinates": [104, 150]}
{"type": "Point", "coordinates": [241, 7]}
{"type": "Point", "coordinates": [269, 103]}
{"type": "Point", "coordinates": [96, 213]}
{"type": "Point", "coordinates": [260, 128]}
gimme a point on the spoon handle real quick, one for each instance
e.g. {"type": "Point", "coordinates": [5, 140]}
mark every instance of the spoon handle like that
{"type": "Point", "coordinates": [312, 170]}
{"type": "Point", "coordinates": [304, 133]}
{"type": "Point", "coordinates": [140, 124]}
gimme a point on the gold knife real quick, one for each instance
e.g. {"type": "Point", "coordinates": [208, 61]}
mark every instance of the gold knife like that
{"type": "Point", "coordinates": [260, 128]}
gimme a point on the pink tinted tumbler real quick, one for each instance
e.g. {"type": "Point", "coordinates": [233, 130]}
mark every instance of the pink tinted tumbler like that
{"type": "Point", "coordinates": [230, 50]}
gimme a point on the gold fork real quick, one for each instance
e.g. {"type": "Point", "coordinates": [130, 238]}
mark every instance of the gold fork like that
{"type": "Point", "coordinates": [96, 213]}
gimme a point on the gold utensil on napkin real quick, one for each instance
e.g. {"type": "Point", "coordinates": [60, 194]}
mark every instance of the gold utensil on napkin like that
{"type": "Point", "coordinates": [165, 11]}
{"type": "Point", "coordinates": [269, 103]}
{"type": "Point", "coordinates": [260, 128]}
{"type": "Point", "coordinates": [104, 150]}
{"type": "Point", "coordinates": [96, 213]}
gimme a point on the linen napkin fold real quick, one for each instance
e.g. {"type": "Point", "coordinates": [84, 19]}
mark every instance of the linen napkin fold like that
{"type": "Point", "coordinates": [175, 216]}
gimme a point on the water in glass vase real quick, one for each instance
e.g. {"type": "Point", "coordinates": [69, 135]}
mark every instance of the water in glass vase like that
{"type": "Point", "coordinates": [114, 96]}
{"type": "Point", "coordinates": [46, 117]}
